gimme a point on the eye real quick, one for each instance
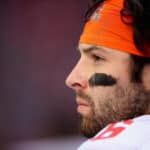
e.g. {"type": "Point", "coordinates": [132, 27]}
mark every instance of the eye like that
{"type": "Point", "coordinates": [96, 57]}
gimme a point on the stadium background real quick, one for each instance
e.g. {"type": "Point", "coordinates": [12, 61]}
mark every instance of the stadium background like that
{"type": "Point", "coordinates": [38, 40]}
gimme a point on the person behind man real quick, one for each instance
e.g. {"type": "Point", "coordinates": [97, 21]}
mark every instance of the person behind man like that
{"type": "Point", "coordinates": [112, 77]}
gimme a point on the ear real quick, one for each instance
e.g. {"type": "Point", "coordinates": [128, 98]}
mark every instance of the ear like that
{"type": "Point", "coordinates": [146, 76]}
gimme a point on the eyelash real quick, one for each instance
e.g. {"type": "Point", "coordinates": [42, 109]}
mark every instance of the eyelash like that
{"type": "Point", "coordinates": [96, 58]}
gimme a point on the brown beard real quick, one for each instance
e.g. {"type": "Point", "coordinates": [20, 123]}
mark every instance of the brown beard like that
{"type": "Point", "coordinates": [123, 104]}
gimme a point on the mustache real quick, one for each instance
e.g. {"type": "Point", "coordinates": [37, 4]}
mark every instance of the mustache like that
{"type": "Point", "coordinates": [82, 95]}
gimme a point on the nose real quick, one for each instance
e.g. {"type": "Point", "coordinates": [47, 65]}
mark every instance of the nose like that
{"type": "Point", "coordinates": [77, 78]}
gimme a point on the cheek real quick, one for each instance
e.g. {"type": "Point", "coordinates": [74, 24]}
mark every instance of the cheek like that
{"type": "Point", "coordinates": [146, 77]}
{"type": "Point", "coordinates": [119, 72]}
{"type": "Point", "coordinates": [123, 76]}
{"type": "Point", "coordinates": [124, 79]}
{"type": "Point", "coordinates": [100, 94]}
{"type": "Point", "coordinates": [125, 82]}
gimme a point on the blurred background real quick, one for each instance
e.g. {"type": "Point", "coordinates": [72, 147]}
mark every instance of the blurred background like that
{"type": "Point", "coordinates": [38, 40]}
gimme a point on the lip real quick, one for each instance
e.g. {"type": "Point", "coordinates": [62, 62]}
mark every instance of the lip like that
{"type": "Point", "coordinates": [81, 102]}
{"type": "Point", "coordinates": [82, 107]}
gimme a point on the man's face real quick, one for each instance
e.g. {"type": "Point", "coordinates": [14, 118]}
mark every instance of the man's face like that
{"type": "Point", "coordinates": [101, 105]}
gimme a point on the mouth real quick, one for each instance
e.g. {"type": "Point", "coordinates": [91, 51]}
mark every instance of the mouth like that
{"type": "Point", "coordinates": [83, 107]}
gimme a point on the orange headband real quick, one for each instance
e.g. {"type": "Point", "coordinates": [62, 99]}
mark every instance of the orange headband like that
{"type": "Point", "coordinates": [105, 28]}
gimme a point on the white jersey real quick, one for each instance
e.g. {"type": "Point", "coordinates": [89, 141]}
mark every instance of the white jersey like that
{"type": "Point", "coordinates": [125, 135]}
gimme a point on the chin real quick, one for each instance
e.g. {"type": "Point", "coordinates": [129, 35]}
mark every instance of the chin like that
{"type": "Point", "coordinates": [89, 127]}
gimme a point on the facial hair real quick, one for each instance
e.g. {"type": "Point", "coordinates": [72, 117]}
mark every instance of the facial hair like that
{"type": "Point", "coordinates": [122, 104]}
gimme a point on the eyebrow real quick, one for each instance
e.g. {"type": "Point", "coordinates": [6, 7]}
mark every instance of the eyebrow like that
{"type": "Point", "coordinates": [92, 48]}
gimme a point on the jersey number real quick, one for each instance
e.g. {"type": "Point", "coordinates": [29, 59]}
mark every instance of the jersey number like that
{"type": "Point", "coordinates": [113, 130]}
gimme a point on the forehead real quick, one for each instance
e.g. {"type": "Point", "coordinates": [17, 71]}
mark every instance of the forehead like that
{"type": "Point", "coordinates": [83, 47]}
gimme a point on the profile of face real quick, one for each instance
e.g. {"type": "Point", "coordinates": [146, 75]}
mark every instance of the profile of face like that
{"type": "Point", "coordinates": [100, 103]}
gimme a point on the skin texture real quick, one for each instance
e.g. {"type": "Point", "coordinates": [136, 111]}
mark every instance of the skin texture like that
{"type": "Point", "coordinates": [100, 105]}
